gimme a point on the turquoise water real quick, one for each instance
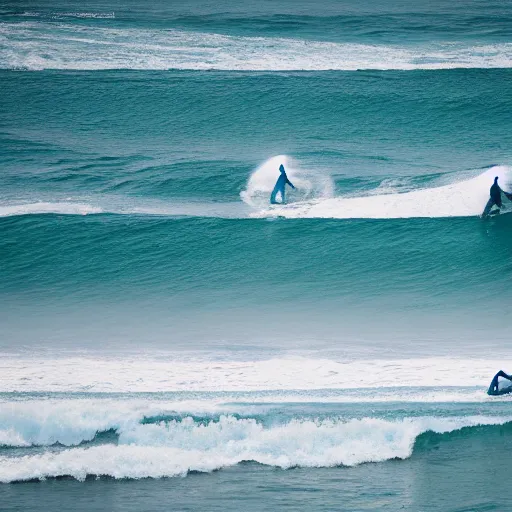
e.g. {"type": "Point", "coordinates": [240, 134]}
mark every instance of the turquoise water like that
{"type": "Point", "coordinates": [160, 319]}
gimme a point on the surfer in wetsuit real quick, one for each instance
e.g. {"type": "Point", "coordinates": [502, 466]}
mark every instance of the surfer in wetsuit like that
{"type": "Point", "coordinates": [280, 186]}
{"type": "Point", "coordinates": [495, 198]}
{"type": "Point", "coordinates": [494, 387]}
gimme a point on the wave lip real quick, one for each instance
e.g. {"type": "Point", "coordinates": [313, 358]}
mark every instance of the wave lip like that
{"type": "Point", "coordinates": [178, 447]}
{"type": "Point", "coordinates": [43, 45]}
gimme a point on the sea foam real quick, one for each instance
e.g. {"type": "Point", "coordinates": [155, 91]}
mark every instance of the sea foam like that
{"type": "Point", "coordinates": [462, 198]}
{"type": "Point", "coordinates": [314, 198]}
{"type": "Point", "coordinates": [53, 45]}
{"type": "Point", "coordinates": [174, 448]}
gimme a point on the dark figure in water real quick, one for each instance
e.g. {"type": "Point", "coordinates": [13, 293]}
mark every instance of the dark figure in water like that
{"type": "Point", "coordinates": [280, 185]}
{"type": "Point", "coordinates": [494, 387]}
{"type": "Point", "coordinates": [495, 198]}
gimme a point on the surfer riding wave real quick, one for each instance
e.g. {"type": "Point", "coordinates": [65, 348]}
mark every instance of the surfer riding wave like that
{"type": "Point", "coordinates": [280, 186]}
{"type": "Point", "coordinates": [495, 199]}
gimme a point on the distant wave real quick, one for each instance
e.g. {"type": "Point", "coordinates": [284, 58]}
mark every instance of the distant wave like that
{"type": "Point", "coordinates": [177, 447]}
{"type": "Point", "coordinates": [43, 45]}
{"type": "Point", "coordinates": [64, 208]}
{"type": "Point", "coordinates": [61, 15]}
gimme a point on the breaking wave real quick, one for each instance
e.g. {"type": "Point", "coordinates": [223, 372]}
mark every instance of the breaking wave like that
{"type": "Point", "coordinates": [177, 447]}
{"type": "Point", "coordinates": [53, 45]}
{"type": "Point", "coordinates": [313, 198]}
{"type": "Point", "coordinates": [308, 183]}
{"type": "Point", "coordinates": [464, 198]}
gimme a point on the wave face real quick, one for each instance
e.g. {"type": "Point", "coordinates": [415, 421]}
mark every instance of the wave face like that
{"type": "Point", "coordinates": [152, 439]}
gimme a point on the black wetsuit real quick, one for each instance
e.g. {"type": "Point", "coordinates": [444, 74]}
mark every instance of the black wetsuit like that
{"type": "Point", "coordinates": [496, 195]}
{"type": "Point", "coordinates": [494, 388]}
{"type": "Point", "coordinates": [495, 199]}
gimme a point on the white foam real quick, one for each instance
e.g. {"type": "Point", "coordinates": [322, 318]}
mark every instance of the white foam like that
{"type": "Point", "coordinates": [177, 447]}
{"type": "Point", "coordinates": [312, 199]}
{"type": "Point", "coordinates": [65, 208]}
{"type": "Point", "coordinates": [60, 15]}
{"type": "Point", "coordinates": [44, 45]}
{"type": "Point", "coordinates": [308, 183]}
{"type": "Point", "coordinates": [172, 372]}
{"type": "Point", "coordinates": [464, 198]}
{"type": "Point", "coordinates": [72, 421]}
{"type": "Point", "coordinates": [124, 206]}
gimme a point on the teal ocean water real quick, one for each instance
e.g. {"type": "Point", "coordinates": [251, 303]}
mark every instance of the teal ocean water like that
{"type": "Point", "coordinates": [160, 320]}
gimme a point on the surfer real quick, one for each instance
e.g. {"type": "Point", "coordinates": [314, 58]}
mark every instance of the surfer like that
{"type": "Point", "coordinates": [495, 198]}
{"type": "Point", "coordinates": [494, 387]}
{"type": "Point", "coordinates": [280, 186]}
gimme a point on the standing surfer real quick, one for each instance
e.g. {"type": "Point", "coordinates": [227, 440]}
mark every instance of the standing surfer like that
{"type": "Point", "coordinates": [280, 186]}
{"type": "Point", "coordinates": [495, 198]}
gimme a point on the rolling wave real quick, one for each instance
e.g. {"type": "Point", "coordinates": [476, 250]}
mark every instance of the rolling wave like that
{"type": "Point", "coordinates": [43, 45]}
{"type": "Point", "coordinates": [465, 198]}
{"type": "Point", "coordinates": [177, 447]}
{"type": "Point", "coordinates": [121, 206]}
{"type": "Point", "coordinates": [312, 199]}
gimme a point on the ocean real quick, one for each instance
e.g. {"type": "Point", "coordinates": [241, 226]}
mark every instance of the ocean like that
{"type": "Point", "coordinates": [171, 341]}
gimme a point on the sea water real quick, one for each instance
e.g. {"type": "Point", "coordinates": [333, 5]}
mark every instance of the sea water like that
{"type": "Point", "coordinates": [169, 340]}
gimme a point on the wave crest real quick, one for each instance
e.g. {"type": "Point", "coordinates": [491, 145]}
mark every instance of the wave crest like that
{"type": "Point", "coordinates": [45, 45]}
{"type": "Point", "coordinates": [465, 198]}
{"type": "Point", "coordinates": [178, 447]}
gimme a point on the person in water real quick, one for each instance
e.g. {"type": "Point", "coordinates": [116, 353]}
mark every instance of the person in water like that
{"type": "Point", "coordinates": [494, 388]}
{"type": "Point", "coordinates": [495, 198]}
{"type": "Point", "coordinates": [280, 186]}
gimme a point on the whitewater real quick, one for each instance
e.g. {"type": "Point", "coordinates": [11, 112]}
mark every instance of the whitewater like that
{"type": "Point", "coordinates": [176, 447]}
{"type": "Point", "coordinates": [43, 45]}
{"type": "Point", "coordinates": [314, 198]}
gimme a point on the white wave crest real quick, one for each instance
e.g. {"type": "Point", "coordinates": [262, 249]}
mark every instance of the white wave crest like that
{"type": "Point", "coordinates": [65, 208]}
{"type": "Point", "coordinates": [124, 206]}
{"type": "Point", "coordinates": [68, 422]}
{"type": "Point", "coordinates": [60, 15]}
{"type": "Point", "coordinates": [460, 199]}
{"type": "Point", "coordinates": [44, 45]}
{"type": "Point", "coordinates": [178, 447]}
{"type": "Point", "coordinates": [308, 183]}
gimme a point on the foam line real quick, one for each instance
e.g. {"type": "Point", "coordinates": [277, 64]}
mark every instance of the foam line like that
{"type": "Point", "coordinates": [52, 45]}
{"type": "Point", "coordinates": [169, 372]}
{"type": "Point", "coordinates": [64, 208]}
